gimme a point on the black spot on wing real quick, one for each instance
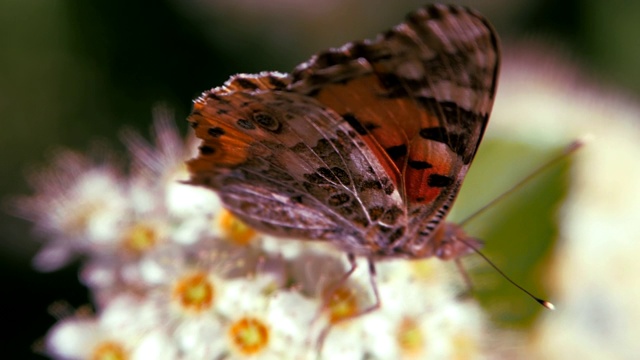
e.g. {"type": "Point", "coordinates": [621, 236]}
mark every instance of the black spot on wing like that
{"type": "Point", "coordinates": [419, 165]}
{"type": "Point", "coordinates": [267, 122]}
{"type": "Point", "coordinates": [454, 118]}
{"type": "Point", "coordinates": [206, 150]}
{"type": "Point", "coordinates": [325, 175]}
{"type": "Point", "coordinates": [391, 215]}
{"type": "Point", "coordinates": [355, 123]}
{"type": "Point", "coordinates": [436, 133]}
{"type": "Point", "coordinates": [375, 212]}
{"type": "Point", "coordinates": [397, 234]}
{"type": "Point", "coordinates": [276, 83]}
{"type": "Point", "coordinates": [369, 185]}
{"type": "Point", "coordinates": [338, 199]}
{"type": "Point", "coordinates": [389, 188]}
{"type": "Point", "coordinates": [393, 84]}
{"type": "Point", "coordinates": [437, 180]}
{"type": "Point", "coordinates": [396, 86]}
{"type": "Point", "coordinates": [216, 97]}
{"type": "Point", "coordinates": [458, 143]}
{"type": "Point", "coordinates": [396, 152]}
{"type": "Point", "coordinates": [215, 131]}
{"type": "Point", "coordinates": [246, 83]}
{"type": "Point", "coordinates": [342, 175]}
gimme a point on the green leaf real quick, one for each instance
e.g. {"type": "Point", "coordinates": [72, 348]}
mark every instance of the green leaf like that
{"type": "Point", "coordinates": [519, 231]}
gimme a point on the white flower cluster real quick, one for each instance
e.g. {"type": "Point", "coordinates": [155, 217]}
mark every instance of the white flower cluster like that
{"type": "Point", "coordinates": [175, 276]}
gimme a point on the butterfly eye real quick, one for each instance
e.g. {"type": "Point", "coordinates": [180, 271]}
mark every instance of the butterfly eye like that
{"type": "Point", "coordinates": [267, 122]}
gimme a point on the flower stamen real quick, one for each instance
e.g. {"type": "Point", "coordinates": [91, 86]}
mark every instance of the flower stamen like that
{"type": "Point", "coordinates": [249, 335]}
{"type": "Point", "coordinates": [194, 292]}
{"type": "Point", "coordinates": [109, 350]}
{"type": "Point", "coordinates": [234, 229]}
{"type": "Point", "coordinates": [410, 337]}
{"type": "Point", "coordinates": [140, 238]}
{"type": "Point", "coordinates": [342, 304]}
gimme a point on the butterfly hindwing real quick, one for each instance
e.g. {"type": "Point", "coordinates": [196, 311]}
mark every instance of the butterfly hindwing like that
{"type": "Point", "coordinates": [286, 164]}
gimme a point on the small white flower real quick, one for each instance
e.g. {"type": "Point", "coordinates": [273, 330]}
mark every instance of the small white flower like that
{"type": "Point", "coordinates": [266, 323]}
{"type": "Point", "coordinates": [189, 289]}
{"type": "Point", "coordinates": [78, 206]}
{"type": "Point", "coordinates": [415, 297]}
{"type": "Point", "coordinates": [111, 334]}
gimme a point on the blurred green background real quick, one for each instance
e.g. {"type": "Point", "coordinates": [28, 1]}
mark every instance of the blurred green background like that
{"type": "Point", "coordinates": [72, 72]}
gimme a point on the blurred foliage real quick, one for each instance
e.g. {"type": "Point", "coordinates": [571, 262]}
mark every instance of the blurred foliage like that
{"type": "Point", "coordinates": [73, 71]}
{"type": "Point", "coordinates": [519, 230]}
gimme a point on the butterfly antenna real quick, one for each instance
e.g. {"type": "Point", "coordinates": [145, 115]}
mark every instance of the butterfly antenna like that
{"type": "Point", "coordinates": [549, 305]}
{"type": "Point", "coordinates": [570, 149]}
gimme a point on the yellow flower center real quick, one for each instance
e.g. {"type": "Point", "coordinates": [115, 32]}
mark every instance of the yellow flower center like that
{"type": "Point", "coordinates": [140, 238]}
{"type": "Point", "coordinates": [109, 350]}
{"type": "Point", "coordinates": [342, 304]}
{"type": "Point", "coordinates": [233, 228]}
{"type": "Point", "coordinates": [249, 335]}
{"type": "Point", "coordinates": [409, 337]}
{"type": "Point", "coordinates": [194, 292]}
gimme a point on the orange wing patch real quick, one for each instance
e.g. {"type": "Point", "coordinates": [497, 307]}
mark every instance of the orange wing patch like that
{"type": "Point", "coordinates": [223, 116]}
{"type": "Point", "coordinates": [390, 128]}
{"type": "Point", "coordinates": [419, 94]}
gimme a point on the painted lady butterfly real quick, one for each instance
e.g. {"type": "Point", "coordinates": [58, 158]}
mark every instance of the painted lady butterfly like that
{"type": "Point", "coordinates": [365, 146]}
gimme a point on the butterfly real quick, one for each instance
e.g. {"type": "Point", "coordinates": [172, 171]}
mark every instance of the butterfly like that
{"type": "Point", "coordinates": [364, 146]}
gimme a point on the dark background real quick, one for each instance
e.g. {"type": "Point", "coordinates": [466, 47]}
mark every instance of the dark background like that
{"type": "Point", "coordinates": [75, 71]}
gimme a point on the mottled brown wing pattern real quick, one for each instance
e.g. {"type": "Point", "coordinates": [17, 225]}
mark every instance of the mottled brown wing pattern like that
{"type": "Point", "coordinates": [421, 92]}
{"type": "Point", "coordinates": [287, 165]}
{"type": "Point", "coordinates": [365, 145]}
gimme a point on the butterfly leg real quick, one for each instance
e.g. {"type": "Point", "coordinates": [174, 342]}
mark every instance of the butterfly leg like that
{"type": "Point", "coordinates": [354, 265]}
{"type": "Point", "coordinates": [374, 287]}
{"type": "Point", "coordinates": [328, 297]}
{"type": "Point", "coordinates": [465, 277]}
{"type": "Point", "coordinates": [335, 293]}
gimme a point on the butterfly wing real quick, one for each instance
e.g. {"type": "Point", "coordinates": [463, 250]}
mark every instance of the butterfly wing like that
{"type": "Point", "coordinates": [420, 94]}
{"type": "Point", "coordinates": [287, 165]}
{"type": "Point", "coordinates": [366, 144]}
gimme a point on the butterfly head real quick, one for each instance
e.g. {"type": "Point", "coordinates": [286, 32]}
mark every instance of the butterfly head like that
{"type": "Point", "coordinates": [451, 242]}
